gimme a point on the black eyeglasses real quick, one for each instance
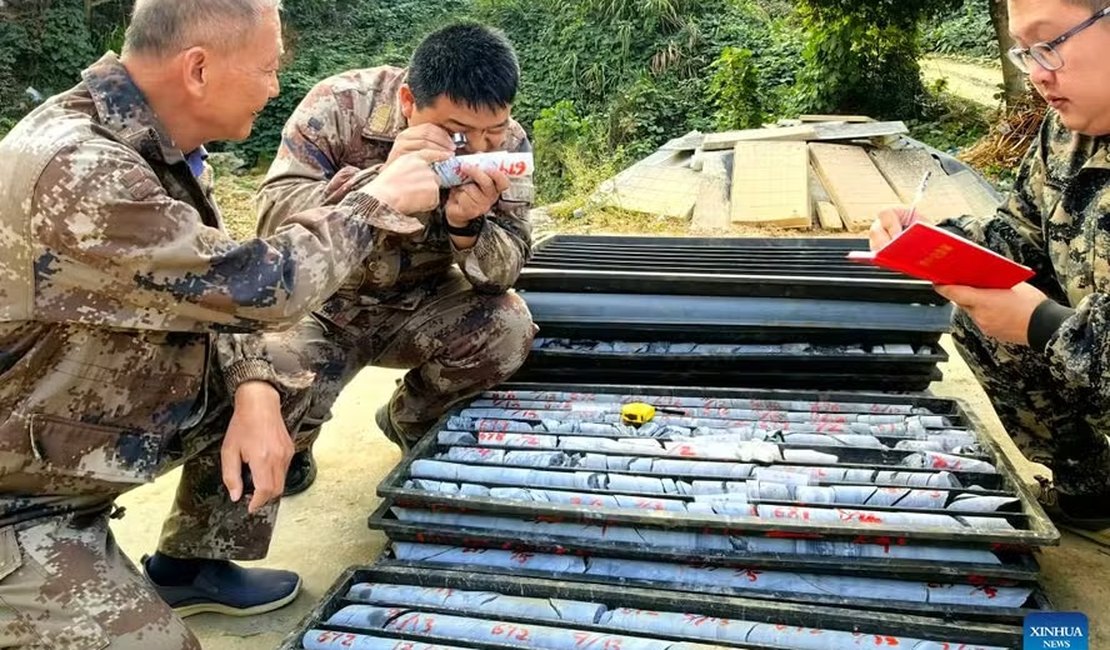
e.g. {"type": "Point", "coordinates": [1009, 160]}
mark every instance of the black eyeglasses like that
{"type": "Point", "coordinates": [1046, 54]}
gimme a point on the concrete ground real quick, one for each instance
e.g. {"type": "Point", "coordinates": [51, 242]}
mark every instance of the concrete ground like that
{"type": "Point", "coordinates": [323, 531]}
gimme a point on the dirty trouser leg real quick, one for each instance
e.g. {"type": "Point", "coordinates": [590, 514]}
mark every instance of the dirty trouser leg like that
{"type": "Point", "coordinates": [334, 357]}
{"type": "Point", "coordinates": [204, 522]}
{"type": "Point", "coordinates": [457, 344]}
{"type": "Point", "coordinates": [65, 584]}
{"type": "Point", "coordinates": [1044, 418]}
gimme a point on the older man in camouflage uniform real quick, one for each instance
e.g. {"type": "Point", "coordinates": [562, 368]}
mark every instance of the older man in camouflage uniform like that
{"type": "Point", "coordinates": [125, 312]}
{"type": "Point", "coordinates": [436, 301]}
{"type": "Point", "coordinates": [1042, 349]}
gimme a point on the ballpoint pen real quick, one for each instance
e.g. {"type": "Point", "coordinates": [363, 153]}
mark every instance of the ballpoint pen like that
{"type": "Point", "coordinates": [910, 216]}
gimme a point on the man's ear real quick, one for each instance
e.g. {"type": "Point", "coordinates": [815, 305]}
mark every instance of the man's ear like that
{"type": "Point", "coordinates": [195, 61]}
{"type": "Point", "coordinates": [408, 101]}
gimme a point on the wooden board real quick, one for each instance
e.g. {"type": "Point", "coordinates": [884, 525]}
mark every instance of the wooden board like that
{"type": "Point", "coordinates": [980, 200]}
{"type": "Point", "coordinates": [835, 118]}
{"type": "Point", "coordinates": [665, 191]}
{"type": "Point", "coordinates": [666, 158]}
{"type": "Point", "coordinates": [728, 139]}
{"type": "Point", "coordinates": [828, 131]}
{"type": "Point", "coordinates": [824, 211]}
{"type": "Point", "coordinates": [770, 184]}
{"type": "Point", "coordinates": [712, 211]}
{"type": "Point", "coordinates": [697, 160]}
{"type": "Point", "coordinates": [863, 131]}
{"type": "Point", "coordinates": [904, 168]}
{"type": "Point", "coordinates": [817, 191]}
{"type": "Point", "coordinates": [828, 216]}
{"type": "Point", "coordinates": [857, 188]}
{"type": "Point", "coordinates": [688, 142]}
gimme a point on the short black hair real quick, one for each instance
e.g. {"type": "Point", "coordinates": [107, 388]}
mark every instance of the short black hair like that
{"type": "Point", "coordinates": [469, 63]}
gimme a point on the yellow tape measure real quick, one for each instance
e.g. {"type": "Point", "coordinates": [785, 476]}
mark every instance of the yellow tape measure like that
{"type": "Point", "coordinates": [637, 413]}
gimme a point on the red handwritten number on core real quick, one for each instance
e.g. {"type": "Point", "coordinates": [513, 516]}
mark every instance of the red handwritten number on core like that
{"type": "Point", "coordinates": [511, 631]}
{"type": "Point", "coordinates": [590, 640]}
{"type": "Point", "coordinates": [339, 638]}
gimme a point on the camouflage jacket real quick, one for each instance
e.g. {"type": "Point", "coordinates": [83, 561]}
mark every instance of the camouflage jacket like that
{"type": "Point", "coordinates": [1057, 221]}
{"type": "Point", "coordinates": [347, 123]}
{"type": "Point", "coordinates": [120, 291]}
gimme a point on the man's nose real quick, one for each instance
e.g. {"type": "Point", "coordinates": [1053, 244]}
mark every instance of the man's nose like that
{"type": "Point", "coordinates": [1039, 74]}
{"type": "Point", "coordinates": [479, 145]}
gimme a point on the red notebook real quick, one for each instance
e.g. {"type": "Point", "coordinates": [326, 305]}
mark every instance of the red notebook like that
{"type": "Point", "coordinates": [929, 253]}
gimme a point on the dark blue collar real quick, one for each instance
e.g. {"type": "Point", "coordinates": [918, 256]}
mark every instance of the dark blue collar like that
{"type": "Point", "coordinates": [196, 159]}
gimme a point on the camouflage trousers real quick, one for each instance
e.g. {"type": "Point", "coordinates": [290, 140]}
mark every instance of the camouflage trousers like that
{"type": "Point", "coordinates": [65, 584]}
{"type": "Point", "coordinates": [1051, 423]}
{"type": "Point", "coordinates": [455, 344]}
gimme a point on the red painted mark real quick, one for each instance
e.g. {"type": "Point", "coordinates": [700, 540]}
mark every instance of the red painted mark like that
{"type": "Point", "coordinates": [517, 168]}
{"type": "Point", "coordinates": [885, 542]}
{"type": "Point", "coordinates": [697, 620]}
{"type": "Point", "coordinates": [415, 622]}
{"type": "Point", "coordinates": [336, 638]}
{"type": "Point", "coordinates": [486, 426]}
{"type": "Point", "coordinates": [783, 534]}
{"type": "Point", "coordinates": [591, 640]}
{"type": "Point", "coordinates": [861, 517]}
{"type": "Point", "coordinates": [980, 584]}
{"type": "Point", "coordinates": [799, 630]}
{"type": "Point", "coordinates": [939, 462]}
{"type": "Point", "coordinates": [791, 512]}
{"type": "Point", "coordinates": [510, 631]}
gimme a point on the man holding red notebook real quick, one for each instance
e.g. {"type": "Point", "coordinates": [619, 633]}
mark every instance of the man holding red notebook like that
{"type": "Point", "coordinates": [1042, 349]}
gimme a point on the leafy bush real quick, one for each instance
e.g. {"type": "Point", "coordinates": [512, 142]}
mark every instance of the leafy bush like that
{"type": "Point", "coordinates": [736, 91]}
{"type": "Point", "coordinates": [966, 31]}
{"type": "Point", "coordinates": [862, 57]}
{"type": "Point", "coordinates": [557, 131]}
{"type": "Point", "coordinates": [635, 72]}
{"type": "Point", "coordinates": [949, 123]}
{"type": "Point", "coordinates": [325, 37]}
{"type": "Point", "coordinates": [604, 81]}
{"type": "Point", "coordinates": [43, 45]}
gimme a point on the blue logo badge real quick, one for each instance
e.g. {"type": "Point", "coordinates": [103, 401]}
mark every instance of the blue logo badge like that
{"type": "Point", "coordinates": [1052, 630]}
